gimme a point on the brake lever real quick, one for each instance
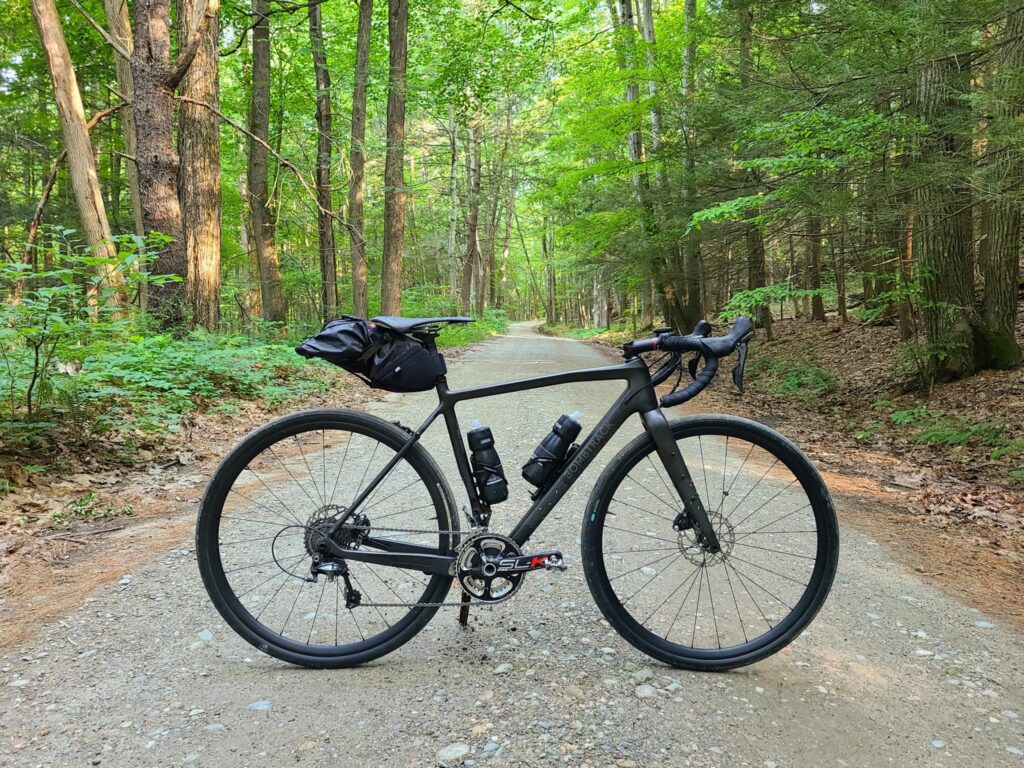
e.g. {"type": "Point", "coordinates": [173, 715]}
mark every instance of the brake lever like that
{"type": "Point", "coordinates": [741, 363]}
{"type": "Point", "coordinates": [692, 366]}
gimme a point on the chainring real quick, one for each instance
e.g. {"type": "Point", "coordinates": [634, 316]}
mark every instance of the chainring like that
{"type": "Point", "coordinates": [477, 567]}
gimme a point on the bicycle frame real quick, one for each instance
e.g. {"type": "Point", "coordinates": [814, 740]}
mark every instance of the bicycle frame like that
{"type": "Point", "coordinates": [638, 397]}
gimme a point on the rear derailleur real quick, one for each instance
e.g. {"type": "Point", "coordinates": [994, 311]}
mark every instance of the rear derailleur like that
{"type": "Point", "coordinates": [332, 569]}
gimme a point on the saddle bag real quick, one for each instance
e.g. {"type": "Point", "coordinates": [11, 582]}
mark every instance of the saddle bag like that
{"type": "Point", "coordinates": [380, 357]}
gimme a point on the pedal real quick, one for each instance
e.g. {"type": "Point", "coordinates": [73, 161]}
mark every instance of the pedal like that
{"type": "Point", "coordinates": [551, 561]}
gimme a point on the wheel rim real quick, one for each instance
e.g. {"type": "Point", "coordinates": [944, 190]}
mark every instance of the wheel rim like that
{"type": "Point", "coordinates": [774, 540]}
{"type": "Point", "coordinates": [288, 489]}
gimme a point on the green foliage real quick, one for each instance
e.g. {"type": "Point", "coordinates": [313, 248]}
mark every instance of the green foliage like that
{"type": "Point", "coordinates": [88, 508]}
{"type": "Point", "coordinates": [930, 428]}
{"type": "Point", "coordinates": [747, 302]}
{"type": "Point", "coordinates": [779, 375]}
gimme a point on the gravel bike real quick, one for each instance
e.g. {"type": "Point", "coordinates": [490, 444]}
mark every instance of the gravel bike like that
{"type": "Point", "coordinates": [329, 538]}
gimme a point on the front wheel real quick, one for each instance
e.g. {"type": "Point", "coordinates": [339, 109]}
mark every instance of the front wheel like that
{"type": "Point", "coordinates": [707, 611]}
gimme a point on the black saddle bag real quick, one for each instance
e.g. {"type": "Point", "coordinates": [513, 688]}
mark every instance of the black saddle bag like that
{"type": "Point", "coordinates": [381, 358]}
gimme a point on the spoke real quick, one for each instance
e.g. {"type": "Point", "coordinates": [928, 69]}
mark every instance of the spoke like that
{"type": "Point", "coordinates": [671, 493]}
{"type": "Point", "coordinates": [272, 598]}
{"type": "Point", "coordinates": [696, 612]}
{"type": "Point", "coordinates": [671, 594]}
{"type": "Point", "coordinates": [264, 506]}
{"type": "Point", "coordinates": [650, 580]}
{"type": "Point", "coordinates": [292, 609]}
{"type": "Point", "coordinates": [403, 511]}
{"type": "Point", "coordinates": [323, 461]}
{"type": "Point", "coordinates": [337, 477]}
{"type": "Point", "coordinates": [362, 480]}
{"type": "Point", "coordinates": [261, 522]}
{"type": "Point", "coordinates": [757, 584]}
{"type": "Point", "coordinates": [271, 490]}
{"type": "Point", "coordinates": [355, 621]}
{"type": "Point", "coordinates": [298, 442]}
{"type": "Point", "coordinates": [698, 571]}
{"type": "Point", "coordinates": [767, 570]}
{"type": "Point", "coordinates": [337, 609]}
{"type": "Point", "coordinates": [260, 538]}
{"type": "Point", "coordinates": [704, 469]}
{"type": "Point", "coordinates": [253, 565]}
{"type": "Point", "coordinates": [739, 471]}
{"type": "Point", "coordinates": [765, 504]}
{"type": "Point", "coordinates": [294, 479]}
{"type": "Point", "coordinates": [777, 551]}
{"type": "Point", "coordinates": [725, 467]}
{"type": "Point", "coordinates": [752, 598]}
{"type": "Point", "coordinates": [649, 492]}
{"type": "Point", "coordinates": [292, 564]}
{"type": "Point", "coordinates": [638, 551]}
{"type": "Point", "coordinates": [777, 520]}
{"type": "Point", "coordinates": [641, 509]}
{"type": "Point", "coordinates": [637, 533]}
{"type": "Point", "coordinates": [714, 618]}
{"type": "Point", "coordinates": [316, 613]}
{"type": "Point", "coordinates": [735, 602]}
{"type": "Point", "coordinates": [640, 567]}
{"type": "Point", "coordinates": [751, 488]}
{"type": "Point", "coordinates": [384, 480]}
{"type": "Point", "coordinates": [356, 580]}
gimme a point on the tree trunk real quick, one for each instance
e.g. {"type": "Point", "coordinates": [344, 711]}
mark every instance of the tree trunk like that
{"type": "Point", "coordinates": [261, 222]}
{"type": "Point", "coordinates": [155, 76]}
{"type": "Point", "coordinates": [325, 217]}
{"type": "Point", "coordinates": [548, 249]}
{"type": "Point", "coordinates": [693, 308]}
{"type": "Point", "coordinates": [453, 207]}
{"type": "Point", "coordinates": [1002, 219]}
{"type": "Point", "coordinates": [357, 162]}
{"type": "Point", "coordinates": [943, 228]}
{"type": "Point", "coordinates": [814, 265]}
{"type": "Point", "coordinates": [199, 177]}
{"type": "Point", "coordinates": [120, 25]}
{"type": "Point", "coordinates": [470, 265]}
{"type": "Point", "coordinates": [394, 161]}
{"type": "Point", "coordinates": [81, 162]}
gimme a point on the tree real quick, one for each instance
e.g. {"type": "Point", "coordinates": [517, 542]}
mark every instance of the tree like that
{"type": "Point", "coordinates": [261, 221]}
{"type": "Point", "coordinates": [199, 180]}
{"type": "Point", "coordinates": [394, 163]}
{"type": "Point", "coordinates": [155, 77]}
{"type": "Point", "coordinates": [325, 208]}
{"type": "Point", "coordinates": [357, 161]}
{"type": "Point", "coordinates": [81, 164]}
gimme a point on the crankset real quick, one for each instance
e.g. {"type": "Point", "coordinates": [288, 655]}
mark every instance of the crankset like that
{"type": "Point", "coordinates": [490, 567]}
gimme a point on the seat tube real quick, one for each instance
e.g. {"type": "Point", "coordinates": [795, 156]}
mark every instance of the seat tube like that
{"type": "Point", "coordinates": [658, 428]}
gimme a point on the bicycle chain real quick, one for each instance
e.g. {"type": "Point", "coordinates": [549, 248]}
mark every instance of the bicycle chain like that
{"type": "Point", "coordinates": [458, 550]}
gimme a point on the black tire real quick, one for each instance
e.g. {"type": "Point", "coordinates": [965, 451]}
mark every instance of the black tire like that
{"type": "Point", "coordinates": [709, 432]}
{"type": "Point", "coordinates": [349, 430]}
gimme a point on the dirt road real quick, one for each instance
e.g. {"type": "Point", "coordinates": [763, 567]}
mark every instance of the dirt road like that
{"type": "Point", "coordinates": [893, 672]}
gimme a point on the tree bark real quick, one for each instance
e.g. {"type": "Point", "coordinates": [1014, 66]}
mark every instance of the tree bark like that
{"type": "Point", "coordinates": [814, 265]}
{"type": "Point", "coordinates": [261, 226]}
{"type": "Point", "coordinates": [199, 177]}
{"type": "Point", "coordinates": [394, 161]}
{"type": "Point", "coordinates": [470, 264]}
{"type": "Point", "coordinates": [85, 181]}
{"type": "Point", "coordinates": [1002, 214]}
{"type": "Point", "coordinates": [548, 249]}
{"type": "Point", "coordinates": [943, 231]}
{"type": "Point", "coordinates": [325, 218]}
{"type": "Point", "coordinates": [155, 76]}
{"type": "Point", "coordinates": [693, 307]}
{"type": "Point", "coordinates": [357, 162]}
{"type": "Point", "coordinates": [120, 25]}
{"type": "Point", "coordinates": [453, 207]}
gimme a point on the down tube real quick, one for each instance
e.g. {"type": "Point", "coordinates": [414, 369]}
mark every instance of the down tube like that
{"type": "Point", "coordinates": [595, 441]}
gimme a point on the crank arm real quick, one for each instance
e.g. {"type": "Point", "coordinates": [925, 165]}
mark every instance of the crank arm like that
{"type": "Point", "coordinates": [658, 428]}
{"type": "Point", "coordinates": [413, 557]}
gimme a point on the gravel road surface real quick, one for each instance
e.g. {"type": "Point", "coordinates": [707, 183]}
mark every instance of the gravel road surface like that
{"type": "Point", "coordinates": [893, 672]}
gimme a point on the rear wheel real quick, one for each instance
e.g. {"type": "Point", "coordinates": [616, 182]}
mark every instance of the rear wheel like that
{"type": "Point", "coordinates": [285, 485]}
{"type": "Point", "coordinates": [690, 608]}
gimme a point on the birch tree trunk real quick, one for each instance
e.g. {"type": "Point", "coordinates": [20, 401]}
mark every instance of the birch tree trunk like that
{"type": "Point", "coordinates": [394, 161]}
{"type": "Point", "coordinates": [473, 257]}
{"type": "Point", "coordinates": [693, 306]}
{"type": "Point", "coordinates": [357, 162]}
{"type": "Point", "coordinates": [453, 209]}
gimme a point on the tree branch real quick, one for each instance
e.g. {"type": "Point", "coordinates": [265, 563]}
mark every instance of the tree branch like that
{"type": "Point", "coordinates": [277, 155]}
{"type": "Point", "coordinates": [200, 19]}
{"type": "Point", "coordinates": [120, 49]}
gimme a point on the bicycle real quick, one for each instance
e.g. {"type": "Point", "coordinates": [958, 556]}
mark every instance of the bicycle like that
{"type": "Point", "coordinates": [709, 542]}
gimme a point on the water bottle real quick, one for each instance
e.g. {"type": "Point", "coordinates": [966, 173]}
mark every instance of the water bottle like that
{"type": "Point", "coordinates": [490, 479]}
{"type": "Point", "coordinates": [550, 454]}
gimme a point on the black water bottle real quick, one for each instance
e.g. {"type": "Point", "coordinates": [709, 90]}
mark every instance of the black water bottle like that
{"type": "Point", "coordinates": [490, 479]}
{"type": "Point", "coordinates": [550, 454]}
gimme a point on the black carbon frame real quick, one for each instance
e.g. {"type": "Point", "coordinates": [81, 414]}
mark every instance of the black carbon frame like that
{"type": "Point", "coordinates": [638, 397]}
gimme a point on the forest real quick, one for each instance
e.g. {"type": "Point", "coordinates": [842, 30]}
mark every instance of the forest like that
{"type": "Point", "coordinates": [179, 180]}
